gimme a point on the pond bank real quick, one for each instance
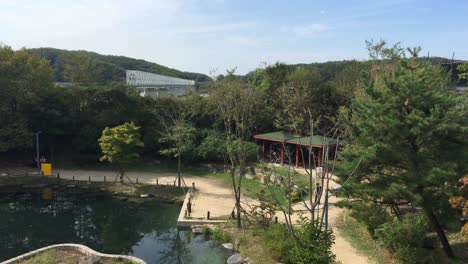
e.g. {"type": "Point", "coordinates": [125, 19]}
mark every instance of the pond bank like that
{"type": "Point", "coordinates": [72, 253]}
{"type": "Point", "coordinates": [129, 192]}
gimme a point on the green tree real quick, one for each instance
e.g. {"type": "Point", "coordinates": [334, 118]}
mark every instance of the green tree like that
{"type": "Point", "coordinates": [237, 108]}
{"type": "Point", "coordinates": [23, 77]}
{"type": "Point", "coordinates": [408, 133]}
{"type": "Point", "coordinates": [81, 69]}
{"type": "Point", "coordinates": [119, 146]}
{"type": "Point", "coordinates": [180, 139]}
{"type": "Point", "coordinates": [463, 68]}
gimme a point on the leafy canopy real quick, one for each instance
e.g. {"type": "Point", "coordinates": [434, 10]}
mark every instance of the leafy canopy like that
{"type": "Point", "coordinates": [180, 138]}
{"type": "Point", "coordinates": [119, 144]}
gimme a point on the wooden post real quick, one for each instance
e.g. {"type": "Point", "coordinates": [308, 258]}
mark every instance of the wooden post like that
{"type": "Point", "coordinates": [208, 215]}
{"type": "Point", "coordinates": [157, 182]}
{"type": "Point", "coordinates": [297, 155]}
{"type": "Point", "coordinates": [189, 205]}
{"type": "Point", "coordinates": [58, 175]}
{"type": "Point", "coordinates": [105, 180]}
{"type": "Point", "coordinates": [193, 186]}
{"type": "Point", "coordinates": [73, 178]}
{"type": "Point", "coordinates": [137, 180]}
{"type": "Point", "coordinates": [89, 178]}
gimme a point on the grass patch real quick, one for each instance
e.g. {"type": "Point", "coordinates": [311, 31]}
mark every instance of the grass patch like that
{"type": "Point", "coordinates": [252, 243]}
{"type": "Point", "coordinates": [53, 256]}
{"type": "Point", "coordinates": [357, 235]}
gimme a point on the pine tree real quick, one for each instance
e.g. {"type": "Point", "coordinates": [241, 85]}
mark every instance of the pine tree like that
{"type": "Point", "coordinates": [407, 131]}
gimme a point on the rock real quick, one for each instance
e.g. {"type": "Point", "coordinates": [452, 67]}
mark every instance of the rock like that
{"type": "Point", "coordinates": [197, 230]}
{"type": "Point", "coordinates": [229, 246]}
{"type": "Point", "coordinates": [248, 261]}
{"type": "Point", "coordinates": [249, 176]}
{"type": "Point", "coordinates": [235, 259]}
{"type": "Point", "coordinates": [144, 195]}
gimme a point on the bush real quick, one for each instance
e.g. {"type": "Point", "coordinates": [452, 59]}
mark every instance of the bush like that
{"type": "Point", "coordinates": [216, 234]}
{"type": "Point", "coordinates": [405, 238]}
{"type": "Point", "coordinates": [372, 215]}
{"type": "Point", "coordinates": [313, 245]}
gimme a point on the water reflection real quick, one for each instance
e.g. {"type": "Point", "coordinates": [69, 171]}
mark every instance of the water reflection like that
{"type": "Point", "coordinates": [33, 220]}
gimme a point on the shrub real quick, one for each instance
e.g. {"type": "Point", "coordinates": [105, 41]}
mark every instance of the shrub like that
{"type": "Point", "coordinates": [405, 238]}
{"type": "Point", "coordinates": [313, 245]}
{"type": "Point", "coordinates": [372, 215]}
{"type": "Point", "coordinates": [219, 235]}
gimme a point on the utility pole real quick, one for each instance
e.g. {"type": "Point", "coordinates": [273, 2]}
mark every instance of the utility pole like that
{"type": "Point", "coordinates": [37, 151]}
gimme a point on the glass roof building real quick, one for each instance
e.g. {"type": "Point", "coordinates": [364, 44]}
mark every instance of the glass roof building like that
{"type": "Point", "coordinates": [157, 85]}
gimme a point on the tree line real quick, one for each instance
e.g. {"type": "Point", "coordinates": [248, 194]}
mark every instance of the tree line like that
{"type": "Point", "coordinates": [403, 127]}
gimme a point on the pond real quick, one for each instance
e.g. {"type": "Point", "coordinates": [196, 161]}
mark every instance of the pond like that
{"type": "Point", "coordinates": [146, 230]}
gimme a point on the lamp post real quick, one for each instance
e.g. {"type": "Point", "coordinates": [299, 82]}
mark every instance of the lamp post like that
{"type": "Point", "coordinates": [37, 150]}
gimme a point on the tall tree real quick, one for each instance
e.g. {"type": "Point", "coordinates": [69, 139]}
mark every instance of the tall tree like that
{"type": "Point", "coordinates": [180, 139]}
{"type": "Point", "coordinates": [237, 105]}
{"type": "Point", "coordinates": [23, 77]}
{"type": "Point", "coordinates": [408, 130]}
{"type": "Point", "coordinates": [119, 146]}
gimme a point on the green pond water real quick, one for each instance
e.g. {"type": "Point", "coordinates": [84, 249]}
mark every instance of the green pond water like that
{"type": "Point", "coordinates": [146, 230]}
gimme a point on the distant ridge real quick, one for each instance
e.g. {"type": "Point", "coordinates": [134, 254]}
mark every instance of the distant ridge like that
{"type": "Point", "coordinates": [106, 68]}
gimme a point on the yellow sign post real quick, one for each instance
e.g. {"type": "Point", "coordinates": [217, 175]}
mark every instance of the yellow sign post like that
{"type": "Point", "coordinates": [46, 169]}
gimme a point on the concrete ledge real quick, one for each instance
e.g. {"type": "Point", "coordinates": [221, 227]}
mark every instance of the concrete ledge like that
{"type": "Point", "coordinates": [75, 247]}
{"type": "Point", "coordinates": [183, 222]}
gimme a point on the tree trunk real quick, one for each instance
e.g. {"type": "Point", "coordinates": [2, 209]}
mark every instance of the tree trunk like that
{"type": "Point", "coordinates": [238, 207]}
{"type": "Point", "coordinates": [178, 171]}
{"type": "Point", "coordinates": [440, 231]}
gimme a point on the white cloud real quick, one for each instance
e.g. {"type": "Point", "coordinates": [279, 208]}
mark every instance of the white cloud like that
{"type": "Point", "coordinates": [312, 29]}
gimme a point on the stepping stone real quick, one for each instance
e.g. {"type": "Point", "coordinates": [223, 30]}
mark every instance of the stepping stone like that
{"type": "Point", "coordinates": [197, 230]}
{"type": "Point", "coordinates": [228, 246]}
{"type": "Point", "coordinates": [235, 259]}
{"type": "Point", "coordinates": [144, 195]}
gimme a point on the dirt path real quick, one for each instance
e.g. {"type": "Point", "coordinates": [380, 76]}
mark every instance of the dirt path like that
{"type": "Point", "coordinates": [213, 195]}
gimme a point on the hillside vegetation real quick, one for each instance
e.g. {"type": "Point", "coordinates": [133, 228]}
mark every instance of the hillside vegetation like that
{"type": "Point", "coordinates": [90, 67]}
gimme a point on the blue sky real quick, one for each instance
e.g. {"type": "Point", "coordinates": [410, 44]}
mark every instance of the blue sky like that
{"type": "Point", "coordinates": [215, 35]}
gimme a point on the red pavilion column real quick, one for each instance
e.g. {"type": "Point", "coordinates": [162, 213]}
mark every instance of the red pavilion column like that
{"type": "Point", "coordinates": [263, 150]}
{"type": "Point", "coordinates": [282, 154]}
{"type": "Point", "coordinates": [297, 155]}
{"type": "Point", "coordinates": [319, 160]}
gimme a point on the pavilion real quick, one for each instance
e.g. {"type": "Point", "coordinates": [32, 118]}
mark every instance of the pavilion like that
{"type": "Point", "coordinates": [291, 148]}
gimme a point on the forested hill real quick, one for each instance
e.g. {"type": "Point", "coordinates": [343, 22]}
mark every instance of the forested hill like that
{"type": "Point", "coordinates": [85, 66]}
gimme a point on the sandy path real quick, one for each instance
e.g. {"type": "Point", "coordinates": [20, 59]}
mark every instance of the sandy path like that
{"type": "Point", "coordinates": [213, 195]}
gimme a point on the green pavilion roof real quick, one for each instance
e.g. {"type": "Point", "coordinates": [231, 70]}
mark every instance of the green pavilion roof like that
{"type": "Point", "coordinates": [286, 137]}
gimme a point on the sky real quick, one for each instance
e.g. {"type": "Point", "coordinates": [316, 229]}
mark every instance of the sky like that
{"type": "Point", "coordinates": [212, 36]}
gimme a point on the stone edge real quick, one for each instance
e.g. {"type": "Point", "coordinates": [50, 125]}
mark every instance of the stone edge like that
{"type": "Point", "coordinates": [77, 247]}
